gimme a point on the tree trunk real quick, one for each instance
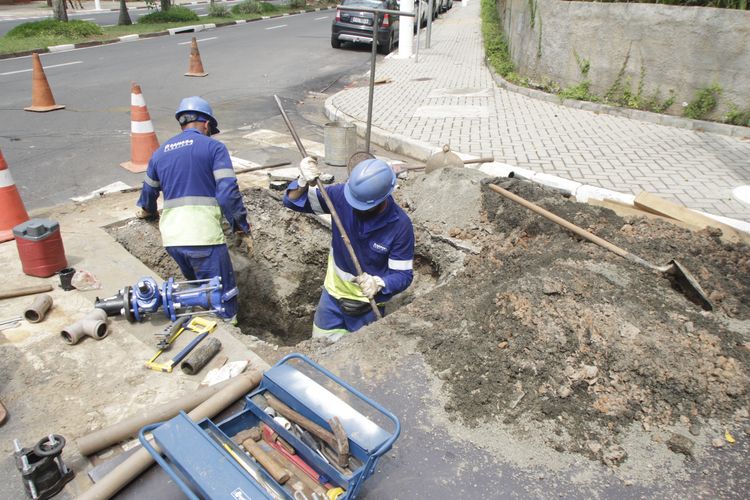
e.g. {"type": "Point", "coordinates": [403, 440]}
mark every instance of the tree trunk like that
{"type": "Point", "coordinates": [124, 18]}
{"type": "Point", "coordinates": [165, 5]}
{"type": "Point", "coordinates": [59, 12]}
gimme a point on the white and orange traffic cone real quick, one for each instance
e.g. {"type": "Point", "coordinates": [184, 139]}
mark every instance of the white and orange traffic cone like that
{"type": "Point", "coordinates": [12, 211]}
{"type": "Point", "coordinates": [42, 99]}
{"type": "Point", "coordinates": [143, 141]}
{"type": "Point", "coordinates": [195, 67]}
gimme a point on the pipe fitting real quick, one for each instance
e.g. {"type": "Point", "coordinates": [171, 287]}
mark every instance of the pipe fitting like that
{"type": "Point", "coordinates": [94, 324]}
{"type": "Point", "coordinates": [36, 312]}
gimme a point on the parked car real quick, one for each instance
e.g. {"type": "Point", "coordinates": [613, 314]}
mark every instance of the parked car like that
{"type": "Point", "coordinates": [446, 5]}
{"type": "Point", "coordinates": [353, 26]}
{"type": "Point", "coordinates": [422, 14]}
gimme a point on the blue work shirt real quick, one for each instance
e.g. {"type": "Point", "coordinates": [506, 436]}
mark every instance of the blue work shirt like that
{"type": "Point", "coordinates": [196, 176]}
{"type": "Point", "coordinates": [384, 244]}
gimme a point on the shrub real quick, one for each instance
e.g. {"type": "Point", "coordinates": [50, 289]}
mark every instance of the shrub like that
{"type": "Point", "coordinates": [53, 28]}
{"type": "Point", "coordinates": [298, 4]}
{"type": "Point", "coordinates": [266, 7]}
{"type": "Point", "coordinates": [247, 7]}
{"type": "Point", "coordinates": [736, 117]}
{"type": "Point", "coordinates": [219, 10]}
{"type": "Point", "coordinates": [703, 103]}
{"type": "Point", "coordinates": [175, 14]}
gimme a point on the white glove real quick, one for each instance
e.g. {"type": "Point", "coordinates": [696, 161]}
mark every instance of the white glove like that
{"type": "Point", "coordinates": [308, 171]}
{"type": "Point", "coordinates": [370, 285]}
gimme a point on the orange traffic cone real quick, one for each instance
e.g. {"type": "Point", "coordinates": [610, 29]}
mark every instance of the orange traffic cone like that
{"type": "Point", "coordinates": [12, 211]}
{"type": "Point", "coordinates": [196, 66]}
{"type": "Point", "coordinates": [41, 95]}
{"type": "Point", "coordinates": [143, 141]}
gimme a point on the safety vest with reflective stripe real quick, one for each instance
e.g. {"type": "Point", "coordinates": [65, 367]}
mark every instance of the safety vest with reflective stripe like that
{"type": "Point", "coordinates": [196, 176]}
{"type": "Point", "coordinates": [384, 244]}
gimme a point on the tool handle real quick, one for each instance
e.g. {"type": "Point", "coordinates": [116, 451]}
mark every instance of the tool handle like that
{"type": "Point", "coordinates": [486, 159]}
{"type": "Point", "coordinates": [262, 167]}
{"type": "Point", "coordinates": [181, 355]}
{"type": "Point", "coordinates": [331, 208]}
{"type": "Point", "coordinates": [27, 290]}
{"type": "Point", "coordinates": [279, 473]}
{"type": "Point", "coordinates": [303, 421]}
{"type": "Point", "coordinates": [568, 225]}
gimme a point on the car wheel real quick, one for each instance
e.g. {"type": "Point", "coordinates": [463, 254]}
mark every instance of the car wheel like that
{"type": "Point", "coordinates": [387, 48]}
{"type": "Point", "coordinates": [335, 42]}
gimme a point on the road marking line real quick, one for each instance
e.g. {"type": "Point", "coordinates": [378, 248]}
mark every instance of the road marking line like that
{"type": "Point", "coordinates": [89, 19]}
{"type": "Point", "coordinates": [319, 18]}
{"type": "Point", "coordinates": [199, 40]}
{"type": "Point", "coordinates": [274, 27]}
{"type": "Point", "coordinates": [45, 67]}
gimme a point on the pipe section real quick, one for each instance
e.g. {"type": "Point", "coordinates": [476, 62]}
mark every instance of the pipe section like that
{"type": "Point", "coordinates": [141, 460]}
{"type": "Point", "coordinates": [36, 312]}
{"type": "Point", "coordinates": [200, 358]}
{"type": "Point", "coordinates": [94, 324]}
{"type": "Point", "coordinates": [104, 438]}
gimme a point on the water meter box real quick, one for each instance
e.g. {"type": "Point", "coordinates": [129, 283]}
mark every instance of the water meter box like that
{"type": "Point", "coordinates": [40, 247]}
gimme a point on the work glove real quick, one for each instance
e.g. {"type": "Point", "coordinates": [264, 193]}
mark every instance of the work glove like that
{"type": "Point", "coordinates": [247, 241]}
{"type": "Point", "coordinates": [369, 284]}
{"type": "Point", "coordinates": [308, 171]}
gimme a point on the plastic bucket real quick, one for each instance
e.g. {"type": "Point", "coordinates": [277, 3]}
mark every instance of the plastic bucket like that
{"type": "Point", "coordinates": [340, 140]}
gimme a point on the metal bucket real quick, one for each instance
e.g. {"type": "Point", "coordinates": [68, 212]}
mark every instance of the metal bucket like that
{"type": "Point", "coordinates": [340, 140]}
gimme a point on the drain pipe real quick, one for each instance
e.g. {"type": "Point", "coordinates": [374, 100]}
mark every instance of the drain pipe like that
{"type": "Point", "coordinates": [94, 324]}
{"type": "Point", "coordinates": [141, 460]}
{"type": "Point", "coordinates": [36, 312]}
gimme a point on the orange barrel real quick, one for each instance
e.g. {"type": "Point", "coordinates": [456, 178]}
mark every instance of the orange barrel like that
{"type": "Point", "coordinates": [40, 247]}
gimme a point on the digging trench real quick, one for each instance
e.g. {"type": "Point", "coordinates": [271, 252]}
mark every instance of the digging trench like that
{"type": "Point", "coordinates": [281, 283]}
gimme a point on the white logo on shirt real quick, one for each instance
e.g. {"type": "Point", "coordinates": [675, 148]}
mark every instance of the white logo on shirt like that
{"type": "Point", "coordinates": [177, 145]}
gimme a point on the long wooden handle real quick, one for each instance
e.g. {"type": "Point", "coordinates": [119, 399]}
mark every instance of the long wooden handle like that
{"type": "Point", "coordinates": [303, 421]}
{"type": "Point", "coordinates": [277, 471]}
{"type": "Point", "coordinates": [567, 225]}
{"type": "Point", "coordinates": [334, 214]}
{"type": "Point", "coordinates": [27, 290]}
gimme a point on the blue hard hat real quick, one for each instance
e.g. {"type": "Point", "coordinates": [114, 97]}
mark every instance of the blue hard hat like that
{"type": "Point", "coordinates": [370, 182]}
{"type": "Point", "coordinates": [199, 108]}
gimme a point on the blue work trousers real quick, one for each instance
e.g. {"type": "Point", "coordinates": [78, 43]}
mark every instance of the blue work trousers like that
{"type": "Point", "coordinates": [205, 262]}
{"type": "Point", "coordinates": [330, 321]}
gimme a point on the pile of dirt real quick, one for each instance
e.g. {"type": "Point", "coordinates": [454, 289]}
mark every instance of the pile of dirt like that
{"type": "Point", "coordinates": [540, 326]}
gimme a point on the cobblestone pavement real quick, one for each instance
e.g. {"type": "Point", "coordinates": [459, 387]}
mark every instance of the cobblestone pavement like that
{"type": "Point", "coordinates": [449, 96]}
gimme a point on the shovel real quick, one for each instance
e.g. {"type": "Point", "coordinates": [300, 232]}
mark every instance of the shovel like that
{"type": "Point", "coordinates": [674, 271]}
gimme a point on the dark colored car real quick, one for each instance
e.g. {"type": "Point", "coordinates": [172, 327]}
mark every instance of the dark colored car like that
{"type": "Point", "coordinates": [353, 26]}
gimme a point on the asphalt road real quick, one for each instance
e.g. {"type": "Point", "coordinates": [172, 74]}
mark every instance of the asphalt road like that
{"type": "Point", "coordinates": [105, 17]}
{"type": "Point", "coordinates": [58, 155]}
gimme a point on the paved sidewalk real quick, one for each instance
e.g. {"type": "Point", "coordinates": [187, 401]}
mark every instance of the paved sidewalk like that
{"type": "Point", "coordinates": [449, 96]}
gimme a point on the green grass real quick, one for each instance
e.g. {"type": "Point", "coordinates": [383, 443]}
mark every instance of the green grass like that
{"type": "Point", "coordinates": [177, 14]}
{"type": "Point", "coordinates": [496, 43]}
{"type": "Point", "coordinates": [9, 45]}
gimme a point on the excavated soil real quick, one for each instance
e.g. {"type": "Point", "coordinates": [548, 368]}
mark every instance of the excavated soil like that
{"type": "Point", "coordinates": [524, 323]}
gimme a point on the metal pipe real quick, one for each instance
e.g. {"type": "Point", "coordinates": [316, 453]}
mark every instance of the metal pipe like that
{"type": "Point", "coordinates": [94, 324]}
{"type": "Point", "coordinates": [28, 290]}
{"type": "Point", "coordinates": [419, 29]}
{"type": "Point", "coordinates": [141, 460]}
{"type": "Point", "coordinates": [371, 91]}
{"type": "Point", "coordinates": [103, 438]}
{"type": "Point", "coordinates": [329, 203]}
{"type": "Point", "coordinates": [428, 38]}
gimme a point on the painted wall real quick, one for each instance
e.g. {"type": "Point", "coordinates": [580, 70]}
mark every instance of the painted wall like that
{"type": "Point", "coordinates": [665, 47]}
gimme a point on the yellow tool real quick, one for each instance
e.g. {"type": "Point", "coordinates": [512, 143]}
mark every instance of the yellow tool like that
{"type": "Point", "coordinates": [199, 325]}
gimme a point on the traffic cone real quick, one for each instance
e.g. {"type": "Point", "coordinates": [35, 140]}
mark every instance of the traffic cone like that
{"type": "Point", "coordinates": [196, 66]}
{"type": "Point", "coordinates": [41, 95]}
{"type": "Point", "coordinates": [143, 141]}
{"type": "Point", "coordinates": [12, 211]}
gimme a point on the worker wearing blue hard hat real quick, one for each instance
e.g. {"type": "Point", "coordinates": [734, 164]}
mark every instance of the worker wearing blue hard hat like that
{"type": "Point", "coordinates": [381, 235]}
{"type": "Point", "coordinates": [195, 174]}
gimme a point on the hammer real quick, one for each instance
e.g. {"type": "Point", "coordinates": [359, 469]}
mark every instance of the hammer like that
{"type": "Point", "coordinates": [337, 439]}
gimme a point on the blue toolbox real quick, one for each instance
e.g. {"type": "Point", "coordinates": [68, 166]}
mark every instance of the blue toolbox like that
{"type": "Point", "coordinates": [298, 437]}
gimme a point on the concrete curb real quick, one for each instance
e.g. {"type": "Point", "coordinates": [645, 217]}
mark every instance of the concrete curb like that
{"type": "Point", "coordinates": [422, 150]}
{"type": "Point", "coordinates": [635, 114]}
{"type": "Point", "coordinates": [131, 38]}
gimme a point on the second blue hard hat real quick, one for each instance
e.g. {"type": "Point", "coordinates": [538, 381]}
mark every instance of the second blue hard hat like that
{"type": "Point", "coordinates": [198, 106]}
{"type": "Point", "coordinates": [370, 182]}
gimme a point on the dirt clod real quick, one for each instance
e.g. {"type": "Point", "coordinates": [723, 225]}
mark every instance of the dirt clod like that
{"type": "Point", "coordinates": [681, 444]}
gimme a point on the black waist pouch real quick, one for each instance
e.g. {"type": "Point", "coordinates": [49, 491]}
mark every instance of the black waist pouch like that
{"type": "Point", "coordinates": [354, 307]}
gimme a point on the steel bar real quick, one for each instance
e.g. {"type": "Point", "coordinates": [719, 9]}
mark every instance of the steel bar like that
{"type": "Point", "coordinates": [334, 214]}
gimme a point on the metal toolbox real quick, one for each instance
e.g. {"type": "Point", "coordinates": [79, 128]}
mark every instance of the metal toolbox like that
{"type": "Point", "coordinates": [204, 461]}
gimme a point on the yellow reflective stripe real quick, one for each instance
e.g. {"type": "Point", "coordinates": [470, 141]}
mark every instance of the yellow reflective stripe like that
{"type": "Point", "coordinates": [340, 288]}
{"type": "Point", "coordinates": [191, 225]}
{"type": "Point", "coordinates": [336, 331]}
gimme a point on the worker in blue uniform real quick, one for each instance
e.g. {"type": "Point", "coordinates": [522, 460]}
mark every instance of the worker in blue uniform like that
{"type": "Point", "coordinates": [196, 176]}
{"type": "Point", "coordinates": [381, 235]}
